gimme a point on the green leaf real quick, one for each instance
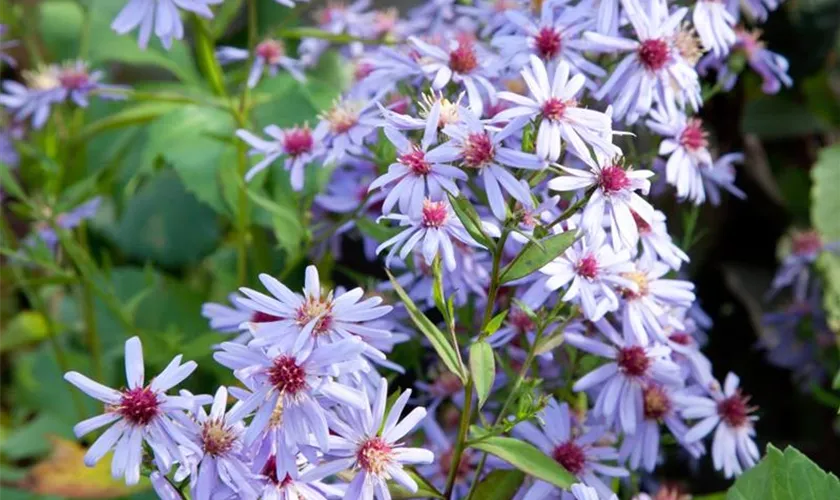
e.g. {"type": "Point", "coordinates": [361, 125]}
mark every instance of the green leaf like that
{"type": "Point", "coordinates": [824, 209]}
{"type": "Point", "coordinates": [532, 257]}
{"type": "Point", "coordinates": [137, 114]}
{"type": "Point", "coordinates": [483, 369]}
{"type": "Point", "coordinates": [378, 232]}
{"type": "Point", "coordinates": [773, 117]}
{"type": "Point", "coordinates": [9, 183]}
{"type": "Point", "coordinates": [549, 343]}
{"type": "Point", "coordinates": [499, 485]}
{"type": "Point", "coordinates": [785, 476]}
{"type": "Point", "coordinates": [527, 458]}
{"type": "Point", "coordinates": [287, 226]}
{"type": "Point", "coordinates": [425, 489]}
{"type": "Point", "coordinates": [166, 224]}
{"type": "Point", "coordinates": [469, 218]}
{"type": "Point", "coordinates": [495, 323]}
{"type": "Point", "coordinates": [27, 327]}
{"type": "Point", "coordinates": [439, 342]}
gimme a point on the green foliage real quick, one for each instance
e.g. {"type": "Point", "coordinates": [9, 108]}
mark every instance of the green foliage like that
{"type": "Point", "coordinates": [785, 476]}
{"type": "Point", "coordinates": [771, 117]}
{"type": "Point", "coordinates": [527, 458]}
{"type": "Point", "coordinates": [483, 369]}
{"type": "Point", "coordinates": [499, 485]}
{"type": "Point", "coordinates": [825, 208]}
{"type": "Point", "coordinates": [535, 255]}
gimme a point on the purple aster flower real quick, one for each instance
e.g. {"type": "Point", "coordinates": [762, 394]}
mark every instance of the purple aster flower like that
{"type": "Point", "coordinates": [65, 220]}
{"type": "Point", "coordinates": [269, 55]}
{"type": "Point", "coordinates": [226, 319]}
{"type": "Point", "coordinates": [622, 380]}
{"type": "Point", "coordinates": [139, 414]}
{"type": "Point", "coordinates": [465, 63]}
{"type": "Point", "coordinates": [163, 15]}
{"type": "Point", "coordinates": [6, 45]}
{"type": "Point", "coordinates": [344, 128]}
{"type": "Point", "coordinates": [805, 247]}
{"type": "Point", "coordinates": [435, 227]}
{"type": "Point", "coordinates": [614, 197]}
{"type": "Point", "coordinates": [686, 146]}
{"type": "Point", "coordinates": [657, 243]}
{"type": "Point", "coordinates": [370, 443]}
{"type": "Point", "coordinates": [163, 488]}
{"type": "Point", "coordinates": [593, 271]}
{"type": "Point", "coordinates": [303, 484]}
{"type": "Point", "coordinates": [289, 386]}
{"type": "Point", "coordinates": [490, 14]}
{"type": "Point", "coordinates": [642, 446]}
{"type": "Point", "coordinates": [416, 175]}
{"type": "Point", "coordinates": [721, 176]}
{"type": "Point", "coordinates": [482, 148]}
{"type": "Point", "coordinates": [653, 70]}
{"type": "Point", "coordinates": [644, 307]}
{"type": "Point", "coordinates": [560, 117]}
{"type": "Point", "coordinates": [580, 450]}
{"type": "Point", "coordinates": [757, 10]}
{"type": "Point", "coordinates": [770, 66]}
{"type": "Point", "coordinates": [9, 135]}
{"type": "Point", "coordinates": [297, 144]}
{"type": "Point", "coordinates": [222, 461]}
{"type": "Point", "coordinates": [728, 413]}
{"type": "Point", "coordinates": [715, 26]}
{"type": "Point", "coordinates": [553, 37]}
{"type": "Point", "coordinates": [316, 316]}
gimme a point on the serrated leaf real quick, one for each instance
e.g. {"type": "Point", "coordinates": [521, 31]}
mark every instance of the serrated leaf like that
{"type": "Point", "coordinates": [438, 340]}
{"type": "Point", "coordinates": [785, 476]}
{"type": "Point", "coordinates": [527, 458]}
{"type": "Point", "coordinates": [469, 218]}
{"type": "Point", "coordinates": [499, 485]}
{"type": "Point", "coordinates": [483, 369]}
{"type": "Point", "coordinates": [532, 257]}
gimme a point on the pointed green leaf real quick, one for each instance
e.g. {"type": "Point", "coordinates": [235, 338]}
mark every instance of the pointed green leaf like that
{"type": "Point", "coordinates": [785, 476]}
{"type": "Point", "coordinates": [469, 218]}
{"type": "Point", "coordinates": [527, 458]}
{"type": "Point", "coordinates": [483, 369]}
{"type": "Point", "coordinates": [532, 257]}
{"type": "Point", "coordinates": [438, 340]}
{"type": "Point", "coordinates": [499, 485]}
{"type": "Point", "coordinates": [495, 323]}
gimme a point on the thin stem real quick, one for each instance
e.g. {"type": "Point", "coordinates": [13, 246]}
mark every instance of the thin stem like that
{"type": "Point", "coordinates": [494, 281]}
{"type": "Point", "coordinates": [91, 333]}
{"type": "Point", "coordinates": [242, 217]}
{"type": "Point", "coordinates": [84, 35]}
{"type": "Point", "coordinates": [571, 210]}
{"type": "Point", "coordinates": [461, 440]}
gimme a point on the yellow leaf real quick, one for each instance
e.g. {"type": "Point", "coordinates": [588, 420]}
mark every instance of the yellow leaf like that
{"type": "Point", "coordinates": [63, 473]}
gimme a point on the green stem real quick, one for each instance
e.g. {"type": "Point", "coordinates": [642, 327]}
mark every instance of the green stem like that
{"type": "Point", "coordinates": [341, 38]}
{"type": "Point", "coordinates": [494, 281]}
{"type": "Point", "coordinates": [84, 35]}
{"type": "Point", "coordinates": [91, 333]}
{"type": "Point", "coordinates": [205, 50]}
{"type": "Point", "coordinates": [461, 440]}
{"type": "Point", "coordinates": [242, 217]}
{"type": "Point", "coordinates": [572, 209]}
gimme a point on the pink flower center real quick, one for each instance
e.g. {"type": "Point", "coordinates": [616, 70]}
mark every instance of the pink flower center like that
{"type": "Point", "coordinates": [633, 361]}
{"type": "Point", "coordinates": [613, 179]}
{"type": "Point", "coordinates": [521, 321]}
{"type": "Point", "coordinates": [570, 456]}
{"type": "Point", "coordinates": [548, 43]}
{"type": "Point", "coordinates": [138, 406]}
{"type": "Point", "coordinates": [342, 117]}
{"type": "Point", "coordinates": [734, 410]}
{"type": "Point", "coordinates": [271, 51]}
{"type": "Point", "coordinates": [681, 338]}
{"type": "Point", "coordinates": [416, 162]}
{"type": "Point", "coordinates": [642, 284]}
{"type": "Point", "coordinates": [806, 243]}
{"type": "Point", "coordinates": [435, 213]}
{"type": "Point", "coordinates": [315, 308]}
{"type": "Point", "coordinates": [287, 375]}
{"type": "Point", "coordinates": [693, 137]}
{"type": "Point", "coordinates": [374, 455]}
{"type": "Point", "coordinates": [554, 109]}
{"type": "Point", "coordinates": [641, 224]}
{"type": "Point", "coordinates": [657, 403]}
{"type": "Point", "coordinates": [463, 60]}
{"type": "Point", "coordinates": [587, 267]}
{"type": "Point", "coordinates": [654, 54]}
{"type": "Point", "coordinates": [297, 141]}
{"type": "Point", "coordinates": [478, 150]}
{"type": "Point", "coordinates": [72, 79]}
{"type": "Point", "coordinates": [216, 438]}
{"type": "Point", "coordinates": [261, 317]}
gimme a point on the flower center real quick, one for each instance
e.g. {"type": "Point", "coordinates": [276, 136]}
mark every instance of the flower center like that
{"type": "Point", "coordinates": [587, 267]}
{"type": "Point", "coordinates": [657, 403]}
{"type": "Point", "coordinates": [633, 361]}
{"type": "Point", "coordinates": [693, 137]}
{"type": "Point", "coordinates": [139, 406]}
{"type": "Point", "coordinates": [521, 321]}
{"type": "Point", "coordinates": [688, 44]}
{"type": "Point", "coordinates": [654, 54]}
{"type": "Point", "coordinates": [216, 438]}
{"type": "Point", "coordinates": [41, 80]}
{"type": "Point", "coordinates": [261, 317]}
{"type": "Point", "coordinates": [570, 456]}
{"type": "Point", "coordinates": [374, 455]}
{"type": "Point", "coordinates": [286, 375]}
{"type": "Point", "coordinates": [806, 243]}
{"type": "Point", "coordinates": [641, 282]}
{"type": "Point", "coordinates": [416, 161]}
{"type": "Point", "coordinates": [342, 117]}
{"type": "Point", "coordinates": [613, 179]}
{"type": "Point", "coordinates": [478, 150]}
{"type": "Point", "coordinates": [435, 213]}
{"type": "Point", "coordinates": [271, 51]}
{"type": "Point", "coordinates": [734, 410]}
{"type": "Point", "coordinates": [297, 141]}
{"type": "Point", "coordinates": [554, 109]}
{"type": "Point", "coordinates": [315, 308]}
{"type": "Point", "coordinates": [548, 43]}
{"type": "Point", "coordinates": [74, 79]}
{"type": "Point", "coordinates": [641, 224]}
{"type": "Point", "coordinates": [463, 59]}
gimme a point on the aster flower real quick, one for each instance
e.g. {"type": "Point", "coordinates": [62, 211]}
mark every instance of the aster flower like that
{"type": "Point", "coordinates": [657, 243]}
{"type": "Point", "coordinates": [593, 271]}
{"type": "Point", "coordinates": [715, 25]}
{"type": "Point", "coordinates": [65, 220]}
{"type": "Point", "coordinates": [226, 319]}
{"type": "Point", "coordinates": [553, 37]}
{"type": "Point", "coordinates": [269, 56]}
{"type": "Point", "coordinates": [464, 63]}
{"type": "Point", "coordinates": [580, 450]}
{"type": "Point", "coordinates": [490, 14]}
{"type": "Point", "coordinates": [622, 380]}
{"type": "Point", "coordinates": [289, 386]}
{"type": "Point", "coordinates": [416, 175]}
{"type": "Point", "coordinates": [614, 197]}
{"type": "Point", "coordinates": [297, 144]}
{"type": "Point", "coordinates": [560, 117]}
{"type": "Point", "coordinates": [728, 414]}
{"type": "Point", "coordinates": [757, 10]}
{"type": "Point", "coordinates": [653, 70]}
{"type": "Point", "coordinates": [442, 447]}
{"type": "Point", "coordinates": [304, 484]}
{"type": "Point", "coordinates": [482, 148]}
{"type": "Point", "coordinates": [163, 15]}
{"type": "Point", "coordinates": [435, 227]}
{"type": "Point", "coordinates": [686, 146]}
{"type": "Point", "coordinates": [770, 66]}
{"type": "Point", "coordinates": [805, 247]}
{"type": "Point", "coordinates": [139, 414]}
{"type": "Point", "coordinates": [369, 443]}
{"type": "Point", "coordinates": [721, 176]}
{"type": "Point", "coordinates": [344, 128]}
